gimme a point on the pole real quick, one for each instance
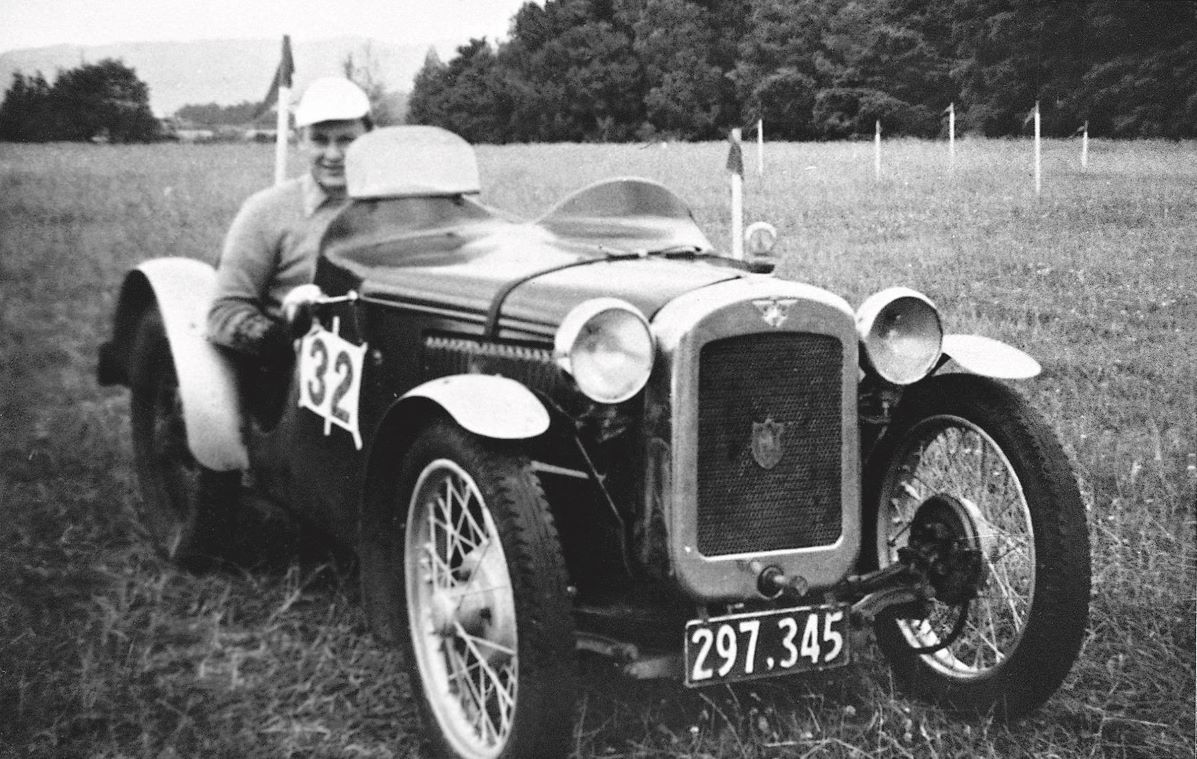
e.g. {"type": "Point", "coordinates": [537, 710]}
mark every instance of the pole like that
{"type": "Point", "coordinates": [877, 151]}
{"type": "Point", "coordinates": [737, 203]}
{"type": "Point", "coordinates": [281, 89]}
{"type": "Point", "coordinates": [1085, 146]}
{"type": "Point", "coordinates": [951, 135]}
{"type": "Point", "coordinates": [1038, 154]}
{"type": "Point", "coordinates": [760, 147]}
{"type": "Point", "coordinates": [281, 126]}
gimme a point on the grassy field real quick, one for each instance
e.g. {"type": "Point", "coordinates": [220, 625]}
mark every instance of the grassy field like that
{"type": "Point", "coordinates": [105, 651]}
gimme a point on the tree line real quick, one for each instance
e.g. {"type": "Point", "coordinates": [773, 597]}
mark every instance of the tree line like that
{"type": "Point", "coordinates": [615, 70]}
{"type": "Point", "coordinates": [96, 101]}
{"type": "Point", "coordinates": [214, 114]}
{"type": "Point", "coordinates": [106, 101]}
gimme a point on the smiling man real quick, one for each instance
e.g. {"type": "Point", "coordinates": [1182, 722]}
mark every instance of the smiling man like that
{"type": "Point", "coordinates": [272, 245]}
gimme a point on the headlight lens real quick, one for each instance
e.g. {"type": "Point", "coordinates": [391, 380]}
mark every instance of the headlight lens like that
{"type": "Point", "coordinates": [606, 345]}
{"type": "Point", "coordinates": [901, 334]}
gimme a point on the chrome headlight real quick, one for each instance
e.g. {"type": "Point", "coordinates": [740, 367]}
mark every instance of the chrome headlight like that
{"type": "Point", "coordinates": [606, 345]}
{"type": "Point", "coordinates": [901, 334]}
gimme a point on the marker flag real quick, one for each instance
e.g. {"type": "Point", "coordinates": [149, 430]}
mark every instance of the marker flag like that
{"type": "Point", "coordinates": [282, 78]}
{"type": "Point", "coordinates": [735, 156]}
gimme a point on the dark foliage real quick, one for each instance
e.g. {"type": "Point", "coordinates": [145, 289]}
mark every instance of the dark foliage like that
{"type": "Point", "coordinates": [599, 70]}
{"type": "Point", "coordinates": [102, 101]}
{"type": "Point", "coordinates": [214, 114]}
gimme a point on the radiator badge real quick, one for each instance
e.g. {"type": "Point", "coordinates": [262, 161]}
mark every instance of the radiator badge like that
{"type": "Point", "coordinates": [767, 448]}
{"type": "Point", "coordinates": [775, 311]}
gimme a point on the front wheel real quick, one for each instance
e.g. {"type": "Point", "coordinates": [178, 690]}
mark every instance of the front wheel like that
{"type": "Point", "coordinates": [968, 473]}
{"type": "Point", "coordinates": [489, 634]}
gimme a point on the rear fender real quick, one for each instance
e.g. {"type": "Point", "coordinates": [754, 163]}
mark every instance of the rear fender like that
{"type": "Point", "coordinates": [989, 358]}
{"type": "Point", "coordinates": [182, 289]}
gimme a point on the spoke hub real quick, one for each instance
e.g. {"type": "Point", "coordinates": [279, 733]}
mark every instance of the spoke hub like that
{"type": "Point", "coordinates": [948, 542]}
{"type": "Point", "coordinates": [475, 604]}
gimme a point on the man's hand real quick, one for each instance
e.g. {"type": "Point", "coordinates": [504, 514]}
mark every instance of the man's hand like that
{"type": "Point", "coordinates": [264, 338]}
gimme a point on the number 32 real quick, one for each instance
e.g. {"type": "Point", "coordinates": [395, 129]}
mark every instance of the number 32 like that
{"type": "Point", "coordinates": [342, 365]}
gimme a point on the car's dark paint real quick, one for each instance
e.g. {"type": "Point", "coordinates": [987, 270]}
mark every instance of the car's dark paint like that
{"type": "Point", "coordinates": [427, 267]}
{"type": "Point", "coordinates": [454, 257]}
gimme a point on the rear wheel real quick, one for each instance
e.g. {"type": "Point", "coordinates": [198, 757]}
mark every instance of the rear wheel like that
{"type": "Point", "coordinates": [489, 633]}
{"type": "Point", "coordinates": [186, 508]}
{"type": "Point", "coordinates": [970, 476]}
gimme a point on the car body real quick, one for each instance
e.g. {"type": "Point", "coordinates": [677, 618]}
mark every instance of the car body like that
{"type": "Point", "coordinates": [688, 463]}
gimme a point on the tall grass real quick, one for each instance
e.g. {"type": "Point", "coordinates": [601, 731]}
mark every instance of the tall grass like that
{"type": "Point", "coordinates": [106, 651]}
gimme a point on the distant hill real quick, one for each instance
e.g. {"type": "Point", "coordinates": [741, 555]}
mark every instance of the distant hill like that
{"type": "Point", "coordinates": [223, 71]}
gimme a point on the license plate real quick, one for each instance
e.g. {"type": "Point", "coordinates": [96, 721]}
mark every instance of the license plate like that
{"type": "Point", "coordinates": [765, 644]}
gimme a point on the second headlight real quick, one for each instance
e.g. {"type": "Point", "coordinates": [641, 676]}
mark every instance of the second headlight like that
{"type": "Point", "coordinates": [901, 334]}
{"type": "Point", "coordinates": [606, 345]}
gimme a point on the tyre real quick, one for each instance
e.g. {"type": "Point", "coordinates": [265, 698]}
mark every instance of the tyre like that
{"type": "Point", "coordinates": [969, 457]}
{"type": "Point", "coordinates": [489, 633]}
{"type": "Point", "coordinates": [186, 509]}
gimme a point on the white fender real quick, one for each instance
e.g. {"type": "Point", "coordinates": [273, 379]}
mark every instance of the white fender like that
{"type": "Point", "coordinates": [989, 358]}
{"type": "Point", "coordinates": [184, 289]}
{"type": "Point", "coordinates": [487, 405]}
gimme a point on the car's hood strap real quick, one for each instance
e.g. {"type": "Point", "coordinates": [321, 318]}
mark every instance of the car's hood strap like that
{"type": "Point", "coordinates": [496, 305]}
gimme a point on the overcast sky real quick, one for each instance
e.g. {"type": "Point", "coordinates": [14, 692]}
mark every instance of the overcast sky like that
{"type": "Point", "coordinates": [40, 23]}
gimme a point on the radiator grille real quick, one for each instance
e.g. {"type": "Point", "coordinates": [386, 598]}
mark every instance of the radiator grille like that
{"type": "Point", "coordinates": [792, 380]}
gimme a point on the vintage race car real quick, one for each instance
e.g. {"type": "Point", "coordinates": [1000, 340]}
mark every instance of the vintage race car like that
{"type": "Point", "coordinates": [592, 432]}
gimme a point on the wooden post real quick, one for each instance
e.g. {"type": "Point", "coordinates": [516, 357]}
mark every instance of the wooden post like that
{"type": "Point", "coordinates": [1038, 154]}
{"type": "Point", "coordinates": [1085, 146]}
{"type": "Point", "coordinates": [282, 125]}
{"type": "Point", "coordinates": [877, 151]}
{"type": "Point", "coordinates": [760, 147]}
{"type": "Point", "coordinates": [951, 135]}
{"type": "Point", "coordinates": [282, 82]}
{"type": "Point", "coordinates": [737, 197]}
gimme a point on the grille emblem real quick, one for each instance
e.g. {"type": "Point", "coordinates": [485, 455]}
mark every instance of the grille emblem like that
{"type": "Point", "coordinates": [775, 311]}
{"type": "Point", "coordinates": [767, 448]}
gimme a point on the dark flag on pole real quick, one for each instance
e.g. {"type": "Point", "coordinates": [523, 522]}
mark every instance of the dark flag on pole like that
{"type": "Point", "coordinates": [735, 157]}
{"type": "Point", "coordinates": [282, 77]}
{"type": "Point", "coordinates": [1031, 114]}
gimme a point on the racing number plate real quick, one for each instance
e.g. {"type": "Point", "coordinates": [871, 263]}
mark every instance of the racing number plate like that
{"type": "Point", "coordinates": [766, 644]}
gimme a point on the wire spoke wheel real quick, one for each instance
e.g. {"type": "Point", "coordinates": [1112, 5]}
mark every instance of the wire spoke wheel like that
{"type": "Point", "coordinates": [968, 461]}
{"type": "Point", "coordinates": [488, 624]}
{"type": "Point", "coordinates": [462, 610]}
{"type": "Point", "coordinates": [950, 455]}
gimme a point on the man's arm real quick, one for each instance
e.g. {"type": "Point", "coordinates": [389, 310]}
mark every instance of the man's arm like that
{"type": "Point", "coordinates": [238, 319]}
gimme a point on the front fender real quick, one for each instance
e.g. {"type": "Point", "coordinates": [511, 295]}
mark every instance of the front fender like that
{"type": "Point", "coordinates": [989, 358]}
{"type": "Point", "coordinates": [486, 405]}
{"type": "Point", "coordinates": [183, 289]}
